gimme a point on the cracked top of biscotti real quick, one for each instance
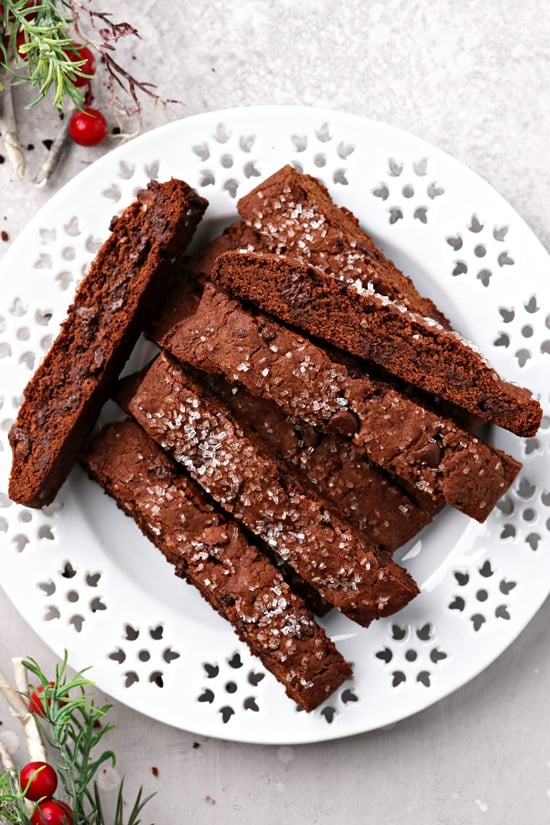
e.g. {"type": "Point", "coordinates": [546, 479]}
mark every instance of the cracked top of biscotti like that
{"type": "Point", "coordinates": [365, 496]}
{"type": "Point", "coordinates": [117, 296]}
{"type": "Point", "coordinates": [431, 456]}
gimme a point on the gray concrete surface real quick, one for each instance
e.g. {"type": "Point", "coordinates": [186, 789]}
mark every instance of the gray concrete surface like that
{"type": "Point", "coordinates": [472, 78]}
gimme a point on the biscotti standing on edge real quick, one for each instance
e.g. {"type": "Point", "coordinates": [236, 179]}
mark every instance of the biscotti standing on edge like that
{"type": "Point", "coordinates": [433, 458]}
{"type": "Point", "coordinates": [211, 553]}
{"type": "Point", "coordinates": [370, 326]}
{"type": "Point", "coordinates": [294, 215]}
{"type": "Point", "coordinates": [259, 491]}
{"type": "Point", "coordinates": [118, 295]}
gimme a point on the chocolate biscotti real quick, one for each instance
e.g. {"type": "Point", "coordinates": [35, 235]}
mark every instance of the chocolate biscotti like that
{"type": "Point", "coordinates": [125, 391]}
{"type": "Point", "coordinates": [434, 459]}
{"type": "Point", "coordinates": [360, 492]}
{"type": "Point", "coordinates": [370, 326]}
{"type": "Point", "coordinates": [295, 216]}
{"type": "Point", "coordinates": [117, 296]}
{"type": "Point", "coordinates": [260, 492]}
{"type": "Point", "coordinates": [210, 552]}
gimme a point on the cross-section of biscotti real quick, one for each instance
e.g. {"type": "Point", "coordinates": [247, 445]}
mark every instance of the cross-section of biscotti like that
{"type": "Point", "coordinates": [430, 455]}
{"type": "Point", "coordinates": [295, 215]}
{"type": "Point", "coordinates": [210, 552]}
{"type": "Point", "coordinates": [116, 298]}
{"type": "Point", "coordinates": [261, 493]}
{"type": "Point", "coordinates": [370, 326]}
{"type": "Point", "coordinates": [338, 472]}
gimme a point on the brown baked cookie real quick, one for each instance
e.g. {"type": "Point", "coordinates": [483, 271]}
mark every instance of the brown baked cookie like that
{"type": "Point", "coordinates": [211, 553]}
{"type": "Point", "coordinates": [116, 298]}
{"type": "Point", "coordinates": [370, 326]}
{"type": "Point", "coordinates": [261, 493]}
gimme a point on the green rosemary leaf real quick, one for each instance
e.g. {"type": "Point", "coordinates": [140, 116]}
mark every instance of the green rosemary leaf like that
{"type": "Point", "coordinates": [70, 724]}
{"type": "Point", "coordinates": [139, 803]}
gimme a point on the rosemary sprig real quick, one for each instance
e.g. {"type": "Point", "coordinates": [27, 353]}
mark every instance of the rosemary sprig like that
{"type": "Point", "coordinates": [139, 804]}
{"type": "Point", "coordinates": [45, 55]}
{"type": "Point", "coordinates": [38, 49]}
{"type": "Point", "coordinates": [73, 727]}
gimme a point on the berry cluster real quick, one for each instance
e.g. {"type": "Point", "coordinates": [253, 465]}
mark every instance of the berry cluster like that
{"type": "Point", "coordinates": [63, 728]}
{"type": "Point", "coordinates": [38, 781]}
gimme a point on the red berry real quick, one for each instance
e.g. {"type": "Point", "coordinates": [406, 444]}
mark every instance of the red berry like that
{"type": "Point", "coordinates": [38, 780]}
{"type": "Point", "coordinates": [88, 127]}
{"type": "Point", "coordinates": [88, 68]}
{"type": "Point", "coordinates": [52, 812]}
{"type": "Point", "coordinates": [35, 701]}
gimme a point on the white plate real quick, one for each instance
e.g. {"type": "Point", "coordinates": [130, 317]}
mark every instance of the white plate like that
{"type": "Point", "coordinates": [86, 580]}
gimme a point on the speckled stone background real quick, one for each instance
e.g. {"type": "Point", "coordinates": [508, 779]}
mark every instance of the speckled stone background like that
{"type": "Point", "coordinates": [472, 78]}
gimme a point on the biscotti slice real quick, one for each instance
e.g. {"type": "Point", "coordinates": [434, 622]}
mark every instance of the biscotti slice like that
{"type": "Point", "coordinates": [114, 301]}
{"type": "Point", "coordinates": [125, 390]}
{"type": "Point", "coordinates": [210, 552]}
{"type": "Point", "coordinates": [362, 494]}
{"type": "Point", "coordinates": [370, 326]}
{"type": "Point", "coordinates": [258, 490]}
{"type": "Point", "coordinates": [433, 458]}
{"type": "Point", "coordinates": [295, 214]}
{"type": "Point", "coordinates": [239, 236]}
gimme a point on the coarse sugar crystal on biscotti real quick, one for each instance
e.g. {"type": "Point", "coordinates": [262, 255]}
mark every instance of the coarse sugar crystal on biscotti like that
{"type": "Point", "coordinates": [211, 553]}
{"type": "Point", "coordinates": [331, 464]}
{"type": "Point", "coordinates": [294, 215]}
{"type": "Point", "coordinates": [262, 494]}
{"type": "Point", "coordinates": [125, 390]}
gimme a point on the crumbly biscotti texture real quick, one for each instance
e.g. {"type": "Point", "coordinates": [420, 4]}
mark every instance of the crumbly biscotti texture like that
{"type": "Point", "coordinates": [434, 459]}
{"type": "Point", "coordinates": [116, 298]}
{"type": "Point", "coordinates": [370, 326]}
{"type": "Point", "coordinates": [338, 472]}
{"type": "Point", "coordinates": [261, 493]}
{"type": "Point", "coordinates": [210, 552]}
{"type": "Point", "coordinates": [295, 214]}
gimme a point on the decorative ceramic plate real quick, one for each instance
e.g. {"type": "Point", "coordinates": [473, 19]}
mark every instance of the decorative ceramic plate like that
{"type": "Point", "coordinates": [87, 581]}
